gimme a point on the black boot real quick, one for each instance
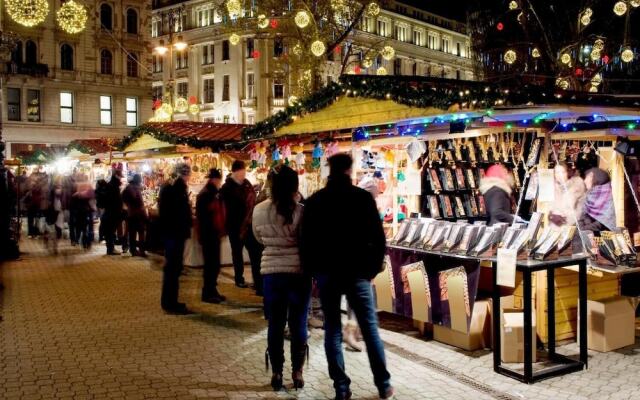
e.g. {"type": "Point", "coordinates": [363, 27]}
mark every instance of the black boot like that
{"type": "Point", "coordinates": [277, 363]}
{"type": "Point", "coordinates": [299, 354]}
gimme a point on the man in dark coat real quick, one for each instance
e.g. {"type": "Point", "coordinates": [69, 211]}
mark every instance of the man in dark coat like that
{"type": "Point", "coordinates": [176, 221]}
{"type": "Point", "coordinates": [112, 210]}
{"type": "Point", "coordinates": [343, 246]}
{"type": "Point", "coordinates": [240, 199]}
{"type": "Point", "coordinates": [210, 212]}
{"type": "Point", "coordinates": [136, 215]}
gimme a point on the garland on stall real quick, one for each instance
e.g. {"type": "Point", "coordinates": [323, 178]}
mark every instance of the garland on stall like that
{"type": "Point", "coordinates": [37, 157]}
{"type": "Point", "coordinates": [159, 134]}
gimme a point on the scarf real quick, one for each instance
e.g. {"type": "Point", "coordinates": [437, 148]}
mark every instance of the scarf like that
{"type": "Point", "coordinates": [599, 205]}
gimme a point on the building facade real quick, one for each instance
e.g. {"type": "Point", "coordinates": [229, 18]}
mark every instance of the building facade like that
{"type": "Point", "coordinates": [245, 83]}
{"type": "Point", "coordinates": [58, 87]}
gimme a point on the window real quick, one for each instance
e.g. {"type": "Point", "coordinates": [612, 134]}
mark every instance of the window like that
{"type": "Point", "coordinates": [368, 24]}
{"type": "Point", "coordinates": [16, 53]}
{"type": "Point", "coordinates": [225, 50]}
{"type": "Point", "coordinates": [132, 21]}
{"type": "Point", "coordinates": [183, 89]}
{"type": "Point", "coordinates": [205, 17]}
{"type": "Point", "coordinates": [131, 107]}
{"type": "Point", "coordinates": [13, 104]}
{"type": "Point", "coordinates": [156, 27]}
{"type": "Point", "coordinates": [33, 105]}
{"type": "Point", "coordinates": [106, 16]}
{"type": "Point", "coordinates": [156, 92]}
{"type": "Point", "coordinates": [401, 33]}
{"type": "Point", "coordinates": [250, 47]}
{"type": "Point", "coordinates": [208, 90]}
{"type": "Point", "coordinates": [225, 88]}
{"type": "Point", "coordinates": [158, 63]}
{"type": "Point", "coordinates": [105, 110]}
{"type": "Point", "coordinates": [106, 62]}
{"type": "Point", "coordinates": [132, 65]}
{"type": "Point", "coordinates": [329, 80]}
{"type": "Point", "coordinates": [66, 57]}
{"type": "Point", "coordinates": [418, 38]}
{"type": "Point", "coordinates": [415, 68]}
{"type": "Point", "coordinates": [397, 66]}
{"type": "Point", "coordinates": [278, 89]}
{"type": "Point", "coordinates": [31, 52]}
{"type": "Point", "coordinates": [458, 74]}
{"type": "Point", "coordinates": [250, 85]}
{"type": "Point", "coordinates": [208, 54]}
{"type": "Point", "coordinates": [458, 49]}
{"type": "Point", "coordinates": [433, 41]}
{"type": "Point", "coordinates": [182, 59]}
{"type": "Point", "coordinates": [66, 107]}
{"type": "Point", "coordinates": [383, 30]}
{"type": "Point", "coordinates": [278, 47]}
{"type": "Point", "coordinates": [445, 44]}
{"type": "Point", "coordinates": [181, 23]}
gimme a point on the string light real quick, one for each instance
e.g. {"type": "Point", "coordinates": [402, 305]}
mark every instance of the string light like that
{"type": "Point", "coordinates": [585, 20]}
{"type": "Point", "coordinates": [297, 49]}
{"type": "Point", "coordinates": [234, 39]}
{"type": "Point", "coordinates": [163, 113]}
{"type": "Point", "coordinates": [388, 52]}
{"type": "Point", "coordinates": [318, 48]}
{"type": "Point", "coordinates": [596, 80]}
{"type": "Point", "coordinates": [194, 109]}
{"type": "Point", "coordinates": [302, 19]}
{"type": "Point", "coordinates": [565, 58]}
{"type": "Point", "coordinates": [535, 53]}
{"type": "Point", "coordinates": [562, 83]}
{"type": "Point", "coordinates": [263, 21]}
{"type": "Point", "coordinates": [234, 7]}
{"type": "Point", "coordinates": [367, 63]}
{"type": "Point", "coordinates": [72, 17]}
{"type": "Point", "coordinates": [381, 71]}
{"type": "Point", "coordinates": [510, 56]}
{"type": "Point", "coordinates": [27, 12]}
{"type": "Point", "coordinates": [620, 8]}
{"type": "Point", "coordinates": [513, 5]}
{"type": "Point", "coordinates": [181, 105]}
{"type": "Point", "coordinates": [373, 9]}
{"type": "Point", "coordinates": [598, 44]}
{"type": "Point", "coordinates": [627, 55]}
{"type": "Point", "coordinates": [595, 55]}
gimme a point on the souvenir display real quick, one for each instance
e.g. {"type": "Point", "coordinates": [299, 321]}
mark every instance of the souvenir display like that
{"type": "Point", "coordinates": [565, 242]}
{"type": "Point", "coordinates": [413, 233]}
{"type": "Point", "coordinates": [403, 231]}
{"type": "Point", "coordinates": [437, 238]}
{"type": "Point", "coordinates": [454, 237]}
{"type": "Point", "coordinates": [486, 241]}
{"type": "Point", "coordinates": [471, 178]}
{"type": "Point", "coordinates": [548, 246]}
{"type": "Point", "coordinates": [447, 209]}
{"type": "Point", "coordinates": [434, 180]}
{"type": "Point", "coordinates": [460, 183]}
{"type": "Point", "coordinates": [447, 179]}
{"type": "Point", "coordinates": [468, 240]}
{"type": "Point", "coordinates": [460, 211]}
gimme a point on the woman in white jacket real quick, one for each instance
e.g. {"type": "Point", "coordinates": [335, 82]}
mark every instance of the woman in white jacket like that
{"type": "Point", "coordinates": [287, 290]}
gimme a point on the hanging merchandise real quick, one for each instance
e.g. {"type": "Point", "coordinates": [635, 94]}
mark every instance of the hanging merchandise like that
{"type": "Point", "coordinates": [286, 153]}
{"type": "Point", "coordinates": [317, 154]}
{"type": "Point", "coordinates": [300, 157]}
{"type": "Point", "coordinates": [254, 155]}
{"type": "Point", "coordinates": [332, 149]}
{"type": "Point", "coordinates": [415, 149]}
{"type": "Point", "coordinates": [275, 156]}
{"type": "Point", "coordinates": [262, 158]}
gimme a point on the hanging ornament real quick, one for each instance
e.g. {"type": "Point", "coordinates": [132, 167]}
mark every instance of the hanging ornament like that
{"type": "Point", "coordinates": [163, 113]}
{"type": "Point", "coordinates": [318, 48]}
{"type": "Point", "coordinates": [598, 45]}
{"type": "Point", "coordinates": [357, 69]}
{"type": "Point", "coordinates": [27, 12]}
{"type": "Point", "coordinates": [156, 104]}
{"type": "Point", "coordinates": [500, 26]}
{"type": "Point", "coordinates": [595, 55]}
{"type": "Point", "coordinates": [620, 8]}
{"type": "Point", "coordinates": [588, 12]}
{"type": "Point", "coordinates": [293, 100]}
{"type": "Point", "coordinates": [627, 55]}
{"type": "Point", "coordinates": [367, 63]}
{"type": "Point", "coordinates": [300, 157]}
{"type": "Point", "coordinates": [388, 52]}
{"type": "Point", "coordinates": [373, 9]}
{"type": "Point", "coordinates": [605, 59]}
{"type": "Point", "coordinates": [513, 5]}
{"type": "Point", "coordinates": [286, 152]}
{"type": "Point", "coordinates": [302, 19]}
{"type": "Point", "coordinates": [181, 105]}
{"type": "Point", "coordinates": [565, 58]}
{"type": "Point", "coordinates": [255, 54]}
{"type": "Point", "coordinates": [297, 49]}
{"type": "Point", "coordinates": [635, 3]}
{"type": "Point", "coordinates": [337, 49]}
{"type": "Point", "coordinates": [381, 71]}
{"type": "Point", "coordinates": [593, 89]}
{"type": "Point", "coordinates": [193, 100]}
{"type": "Point", "coordinates": [510, 56]}
{"type": "Point", "coordinates": [274, 23]}
{"type": "Point", "coordinates": [562, 83]}
{"type": "Point", "coordinates": [234, 8]}
{"type": "Point", "coordinates": [194, 109]}
{"type": "Point", "coordinates": [535, 53]}
{"type": "Point", "coordinates": [234, 39]}
{"type": "Point", "coordinates": [579, 71]}
{"type": "Point", "coordinates": [72, 17]}
{"type": "Point", "coordinates": [263, 21]}
{"type": "Point", "coordinates": [585, 19]}
{"type": "Point", "coordinates": [317, 154]}
{"type": "Point", "coordinates": [596, 80]}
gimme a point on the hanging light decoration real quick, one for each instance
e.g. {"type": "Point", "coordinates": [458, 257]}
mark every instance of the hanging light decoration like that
{"type": "Point", "coordinates": [72, 17]}
{"type": "Point", "coordinates": [513, 5]}
{"type": "Point", "coordinates": [596, 80]}
{"type": "Point", "coordinates": [381, 71]}
{"type": "Point", "coordinates": [585, 19]}
{"type": "Point", "coordinates": [565, 58]}
{"type": "Point", "coordinates": [234, 7]}
{"type": "Point", "coordinates": [588, 12]}
{"type": "Point", "coordinates": [194, 109]}
{"type": "Point", "coordinates": [234, 39]}
{"type": "Point", "coordinates": [510, 56]}
{"type": "Point", "coordinates": [388, 52]}
{"type": "Point", "coordinates": [263, 21]}
{"type": "Point", "coordinates": [293, 100]}
{"type": "Point", "coordinates": [627, 55]}
{"type": "Point", "coordinates": [367, 63]}
{"type": "Point", "coordinates": [27, 12]}
{"type": "Point", "coordinates": [595, 55]}
{"type": "Point", "coordinates": [535, 53]}
{"type": "Point", "coordinates": [562, 83]}
{"type": "Point", "coordinates": [182, 105]}
{"type": "Point", "coordinates": [163, 113]}
{"type": "Point", "coordinates": [302, 19]}
{"type": "Point", "coordinates": [635, 3]}
{"type": "Point", "coordinates": [297, 49]}
{"type": "Point", "coordinates": [620, 8]}
{"type": "Point", "coordinates": [318, 48]}
{"type": "Point", "coordinates": [598, 44]}
{"type": "Point", "coordinates": [593, 89]}
{"type": "Point", "coordinates": [373, 9]}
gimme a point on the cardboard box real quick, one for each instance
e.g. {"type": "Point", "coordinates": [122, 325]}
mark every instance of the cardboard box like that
{"type": "Point", "coordinates": [610, 324]}
{"type": "Point", "coordinates": [383, 290]}
{"type": "Point", "coordinates": [512, 335]}
{"type": "Point", "coordinates": [475, 338]}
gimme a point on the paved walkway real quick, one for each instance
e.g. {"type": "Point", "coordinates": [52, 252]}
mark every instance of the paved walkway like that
{"type": "Point", "coordinates": [87, 326]}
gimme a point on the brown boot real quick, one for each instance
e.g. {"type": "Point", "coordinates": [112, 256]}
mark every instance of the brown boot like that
{"type": "Point", "coordinates": [349, 337]}
{"type": "Point", "coordinates": [298, 357]}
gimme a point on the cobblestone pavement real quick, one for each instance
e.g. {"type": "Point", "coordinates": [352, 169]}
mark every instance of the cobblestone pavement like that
{"type": "Point", "coordinates": [87, 326]}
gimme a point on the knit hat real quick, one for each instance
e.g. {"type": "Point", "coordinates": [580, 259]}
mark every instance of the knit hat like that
{"type": "Point", "coordinates": [497, 171]}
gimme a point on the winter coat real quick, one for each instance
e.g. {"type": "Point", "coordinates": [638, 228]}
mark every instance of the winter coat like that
{"type": "Point", "coordinates": [113, 199]}
{"type": "Point", "coordinates": [497, 199]}
{"type": "Point", "coordinates": [175, 211]}
{"type": "Point", "coordinates": [132, 197]}
{"type": "Point", "coordinates": [239, 200]}
{"type": "Point", "coordinates": [281, 254]}
{"type": "Point", "coordinates": [210, 211]}
{"type": "Point", "coordinates": [342, 233]}
{"type": "Point", "coordinates": [569, 204]}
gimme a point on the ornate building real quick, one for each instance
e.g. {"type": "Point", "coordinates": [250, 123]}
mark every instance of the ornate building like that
{"type": "Point", "coordinates": [59, 87]}
{"type": "Point", "coordinates": [239, 83]}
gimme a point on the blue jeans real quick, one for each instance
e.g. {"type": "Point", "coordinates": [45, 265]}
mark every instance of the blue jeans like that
{"type": "Point", "coordinates": [360, 297]}
{"type": "Point", "coordinates": [286, 298]}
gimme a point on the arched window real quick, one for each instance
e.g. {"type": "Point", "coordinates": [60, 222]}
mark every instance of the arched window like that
{"type": "Point", "coordinates": [66, 57]}
{"type": "Point", "coordinates": [106, 62]}
{"type": "Point", "coordinates": [132, 21]}
{"type": "Point", "coordinates": [132, 65]}
{"type": "Point", "coordinates": [16, 53]}
{"type": "Point", "coordinates": [106, 16]}
{"type": "Point", "coordinates": [31, 51]}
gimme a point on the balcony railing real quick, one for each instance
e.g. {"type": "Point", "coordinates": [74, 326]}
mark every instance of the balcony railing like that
{"type": "Point", "coordinates": [277, 102]}
{"type": "Point", "coordinates": [35, 70]}
{"type": "Point", "coordinates": [249, 102]}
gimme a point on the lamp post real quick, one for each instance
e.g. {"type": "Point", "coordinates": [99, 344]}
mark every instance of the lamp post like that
{"type": "Point", "coordinates": [173, 17]}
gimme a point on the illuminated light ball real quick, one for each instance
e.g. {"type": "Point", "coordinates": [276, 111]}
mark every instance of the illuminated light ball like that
{"type": "Point", "coordinates": [381, 71]}
{"type": "Point", "coordinates": [234, 7]}
{"type": "Point", "coordinates": [27, 12]}
{"type": "Point", "coordinates": [579, 72]}
{"type": "Point", "coordinates": [595, 55]}
{"type": "Point", "coordinates": [513, 5]}
{"type": "Point", "coordinates": [388, 52]}
{"type": "Point", "coordinates": [255, 54]}
{"type": "Point", "coordinates": [274, 23]}
{"type": "Point", "coordinates": [193, 100]}
{"type": "Point", "coordinates": [510, 56]}
{"type": "Point", "coordinates": [302, 19]}
{"type": "Point", "coordinates": [263, 21]}
{"type": "Point", "coordinates": [598, 44]}
{"type": "Point", "coordinates": [166, 108]}
{"type": "Point", "coordinates": [293, 100]}
{"type": "Point", "coordinates": [588, 12]}
{"type": "Point", "coordinates": [596, 80]}
{"type": "Point", "coordinates": [593, 89]}
{"type": "Point", "coordinates": [620, 8]}
{"type": "Point", "coordinates": [318, 48]}
{"type": "Point", "coordinates": [182, 105]}
{"type": "Point", "coordinates": [367, 63]}
{"type": "Point", "coordinates": [535, 53]}
{"type": "Point", "coordinates": [500, 26]}
{"type": "Point", "coordinates": [163, 113]}
{"type": "Point", "coordinates": [234, 39]}
{"type": "Point", "coordinates": [585, 20]}
{"type": "Point", "coordinates": [562, 84]}
{"type": "Point", "coordinates": [565, 58]}
{"type": "Point", "coordinates": [72, 17]}
{"type": "Point", "coordinates": [297, 49]}
{"type": "Point", "coordinates": [627, 55]}
{"type": "Point", "coordinates": [194, 109]}
{"type": "Point", "coordinates": [373, 9]}
{"type": "Point", "coordinates": [635, 3]}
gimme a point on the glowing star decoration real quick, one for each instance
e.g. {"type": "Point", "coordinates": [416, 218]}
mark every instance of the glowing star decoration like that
{"type": "Point", "coordinates": [593, 89]}
{"type": "Point", "coordinates": [595, 55]}
{"type": "Point", "coordinates": [535, 53]}
{"type": "Point", "coordinates": [297, 49]}
{"type": "Point", "coordinates": [181, 105]}
{"type": "Point", "coordinates": [293, 100]}
{"type": "Point", "coordinates": [388, 52]}
{"type": "Point", "coordinates": [513, 5]}
{"type": "Point", "coordinates": [510, 56]}
{"type": "Point", "coordinates": [598, 45]}
{"type": "Point", "coordinates": [27, 12]}
{"type": "Point", "coordinates": [234, 7]}
{"type": "Point", "coordinates": [596, 80]}
{"type": "Point", "coordinates": [627, 55]}
{"type": "Point", "coordinates": [263, 21]}
{"type": "Point", "coordinates": [367, 63]}
{"type": "Point", "coordinates": [318, 48]}
{"type": "Point", "coordinates": [234, 39]}
{"type": "Point", "coordinates": [194, 109]}
{"type": "Point", "coordinates": [381, 71]}
{"type": "Point", "coordinates": [72, 17]}
{"type": "Point", "coordinates": [373, 9]}
{"type": "Point", "coordinates": [302, 19]}
{"type": "Point", "coordinates": [620, 8]}
{"type": "Point", "coordinates": [565, 58]}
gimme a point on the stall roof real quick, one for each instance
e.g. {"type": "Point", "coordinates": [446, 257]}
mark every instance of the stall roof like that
{"type": "Point", "coordinates": [90, 146]}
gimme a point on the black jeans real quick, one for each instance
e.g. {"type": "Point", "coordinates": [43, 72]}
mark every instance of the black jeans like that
{"type": "Point", "coordinates": [135, 227]}
{"type": "Point", "coordinates": [110, 223]}
{"type": "Point", "coordinates": [33, 220]}
{"type": "Point", "coordinates": [211, 269]}
{"type": "Point", "coordinates": [173, 254]}
{"type": "Point", "coordinates": [254, 248]}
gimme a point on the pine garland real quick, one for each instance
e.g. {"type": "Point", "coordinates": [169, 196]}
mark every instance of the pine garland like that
{"type": "Point", "coordinates": [159, 134]}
